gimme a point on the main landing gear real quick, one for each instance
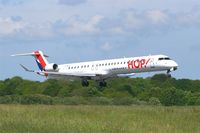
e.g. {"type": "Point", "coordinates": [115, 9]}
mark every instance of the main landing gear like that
{"type": "Point", "coordinates": [85, 83]}
{"type": "Point", "coordinates": [101, 83]}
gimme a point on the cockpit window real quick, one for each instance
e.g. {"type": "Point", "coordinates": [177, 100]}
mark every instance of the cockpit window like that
{"type": "Point", "coordinates": [167, 58]}
{"type": "Point", "coordinates": [164, 58]}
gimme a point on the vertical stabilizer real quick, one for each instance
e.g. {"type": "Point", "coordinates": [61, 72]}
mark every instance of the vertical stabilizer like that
{"type": "Point", "coordinates": [40, 60]}
{"type": "Point", "coordinates": [39, 57]}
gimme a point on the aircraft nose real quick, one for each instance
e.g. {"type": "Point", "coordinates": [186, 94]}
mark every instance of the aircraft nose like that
{"type": "Point", "coordinates": [175, 65]}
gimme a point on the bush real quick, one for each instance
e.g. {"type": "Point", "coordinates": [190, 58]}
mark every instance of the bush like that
{"type": "Point", "coordinates": [120, 91]}
{"type": "Point", "coordinates": [197, 101]}
{"type": "Point", "coordinates": [173, 96]}
{"type": "Point", "coordinates": [123, 101]}
{"type": "Point", "coordinates": [5, 100]}
{"type": "Point", "coordinates": [36, 99]}
{"type": "Point", "coordinates": [100, 101]}
{"type": "Point", "coordinates": [154, 101]}
{"type": "Point", "coordinates": [75, 100]}
{"type": "Point", "coordinates": [27, 99]}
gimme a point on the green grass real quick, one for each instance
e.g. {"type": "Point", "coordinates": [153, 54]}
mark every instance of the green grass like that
{"type": "Point", "coordinates": [98, 119]}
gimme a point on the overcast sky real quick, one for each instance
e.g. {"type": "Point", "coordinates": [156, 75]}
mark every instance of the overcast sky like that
{"type": "Point", "coordinates": [83, 30]}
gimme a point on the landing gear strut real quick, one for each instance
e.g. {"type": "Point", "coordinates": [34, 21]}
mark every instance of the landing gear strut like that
{"type": "Point", "coordinates": [170, 70]}
{"type": "Point", "coordinates": [102, 83]}
{"type": "Point", "coordinates": [85, 83]}
{"type": "Point", "coordinates": [168, 74]}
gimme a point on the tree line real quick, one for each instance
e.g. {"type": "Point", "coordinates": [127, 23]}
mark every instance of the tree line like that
{"type": "Point", "coordinates": [156, 90]}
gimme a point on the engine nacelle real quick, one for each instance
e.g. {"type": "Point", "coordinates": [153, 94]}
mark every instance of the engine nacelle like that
{"type": "Point", "coordinates": [51, 67]}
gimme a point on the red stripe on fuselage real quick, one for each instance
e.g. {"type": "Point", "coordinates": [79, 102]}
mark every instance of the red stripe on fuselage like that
{"type": "Point", "coordinates": [40, 59]}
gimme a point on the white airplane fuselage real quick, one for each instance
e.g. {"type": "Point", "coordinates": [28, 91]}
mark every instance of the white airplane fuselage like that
{"type": "Point", "coordinates": [102, 69]}
{"type": "Point", "coordinates": [114, 67]}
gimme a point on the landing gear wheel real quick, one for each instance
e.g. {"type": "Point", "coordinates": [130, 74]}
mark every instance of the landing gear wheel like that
{"type": "Point", "coordinates": [169, 75]}
{"type": "Point", "coordinates": [102, 84]}
{"type": "Point", "coordinates": [85, 83]}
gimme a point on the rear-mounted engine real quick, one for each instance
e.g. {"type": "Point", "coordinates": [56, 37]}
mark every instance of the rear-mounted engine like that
{"type": "Point", "coordinates": [51, 67]}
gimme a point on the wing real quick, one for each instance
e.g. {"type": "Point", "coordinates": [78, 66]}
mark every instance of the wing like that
{"type": "Point", "coordinates": [62, 74]}
{"type": "Point", "coordinates": [69, 74]}
{"type": "Point", "coordinates": [130, 75]}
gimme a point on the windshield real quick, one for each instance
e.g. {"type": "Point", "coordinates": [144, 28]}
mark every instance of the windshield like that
{"type": "Point", "coordinates": [164, 58]}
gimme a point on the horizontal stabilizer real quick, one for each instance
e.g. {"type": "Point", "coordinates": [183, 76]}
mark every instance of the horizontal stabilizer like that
{"type": "Point", "coordinates": [24, 54]}
{"type": "Point", "coordinates": [26, 69]}
{"type": "Point", "coordinates": [29, 54]}
{"type": "Point", "coordinates": [38, 72]}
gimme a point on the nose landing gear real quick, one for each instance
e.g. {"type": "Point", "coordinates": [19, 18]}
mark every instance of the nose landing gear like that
{"type": "Point", "coordinates": [102, 83]}
{"type": "Point", "coordinates": [170, 70]}
{"type": "Point", "coordinates": [168, 74]}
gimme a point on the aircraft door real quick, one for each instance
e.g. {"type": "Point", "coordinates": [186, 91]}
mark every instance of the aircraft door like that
{"type": "Point", "coordinates": [152, 63]}
{"type": "Point", "coordinates": [94, 67]}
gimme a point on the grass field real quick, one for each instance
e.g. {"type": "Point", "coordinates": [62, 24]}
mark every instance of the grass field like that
{"type": "Point", "coordinates": [98, 119]}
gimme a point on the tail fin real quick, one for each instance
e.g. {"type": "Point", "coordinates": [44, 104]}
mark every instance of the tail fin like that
{"type": "Point", "coordinates": [39, 57]}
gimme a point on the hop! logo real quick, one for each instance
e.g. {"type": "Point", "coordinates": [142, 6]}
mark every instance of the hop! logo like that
{"type": "Point", "coordinates": [138, 63]}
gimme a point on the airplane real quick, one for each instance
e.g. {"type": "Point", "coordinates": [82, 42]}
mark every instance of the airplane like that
{"type": "Point", "coordinates": [100, 70]}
